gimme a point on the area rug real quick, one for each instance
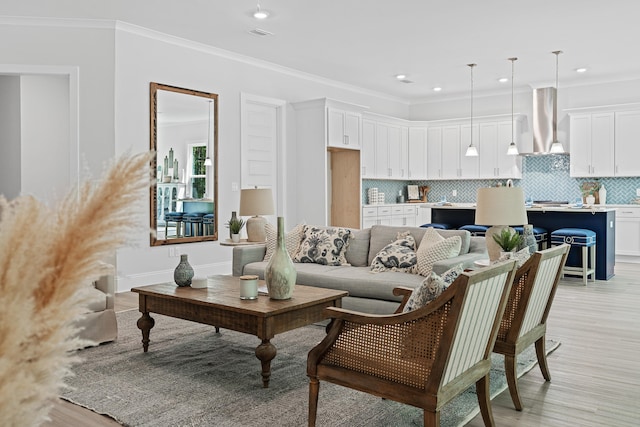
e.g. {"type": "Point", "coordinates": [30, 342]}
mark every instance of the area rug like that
{"type": "Point", "coordinates": [192, 376]}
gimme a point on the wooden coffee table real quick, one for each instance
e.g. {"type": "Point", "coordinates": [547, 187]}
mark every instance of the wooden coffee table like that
{"type": "Point", "coordinates": [220, 305]}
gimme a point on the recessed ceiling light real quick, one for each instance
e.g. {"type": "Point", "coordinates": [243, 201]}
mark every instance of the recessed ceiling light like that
{"type": "Point", "coordinates": [503, 79]}
{"type": "Point", "coordinates": [260, 13]}
{"type": "Point", "coordinates": [437, 89]}
{"type": "Point", "coordinates": [581, 70]}
{"type": "Point", "coordinates": [401, 76]}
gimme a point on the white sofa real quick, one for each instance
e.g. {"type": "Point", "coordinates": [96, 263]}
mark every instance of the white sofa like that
{"type": "Point", "coordinates": [368, 292]}
{"type": "Point", "coordinates": [98, 324]}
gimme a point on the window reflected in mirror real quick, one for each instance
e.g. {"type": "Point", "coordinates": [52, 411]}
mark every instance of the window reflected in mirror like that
{"type": "Point", "coordinates": [184, 135]}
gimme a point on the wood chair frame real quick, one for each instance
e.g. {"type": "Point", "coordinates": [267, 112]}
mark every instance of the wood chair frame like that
{"type": "Point", "coordinates": [525, 319]}
{"type": "Point", "coordinates": [423, 358]}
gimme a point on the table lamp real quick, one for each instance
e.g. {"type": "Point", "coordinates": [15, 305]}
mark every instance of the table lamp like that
{"type": "Point", "coordinates": [255, 202]}
{"type": "Point", "coordinates": [499, 207]}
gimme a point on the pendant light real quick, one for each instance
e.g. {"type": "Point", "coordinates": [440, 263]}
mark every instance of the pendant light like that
{"type": "Point", "coordinates": [260, 13]}
{"type": "Point", "coordinates": [513, 149]}
{"type": "Point", "coordinates": [472, 151]}
{"type": "Point", "coordinates": [556, 146]}
{"type": "Point", "coordinates": [207, 160]}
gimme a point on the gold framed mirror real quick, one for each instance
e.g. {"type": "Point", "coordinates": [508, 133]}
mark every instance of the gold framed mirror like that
{"type": "Point", "coordinates": [184, 136]}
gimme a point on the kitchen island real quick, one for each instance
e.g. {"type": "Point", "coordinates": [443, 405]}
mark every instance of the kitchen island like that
{"type": "Point", "coordinates": [599, 219]}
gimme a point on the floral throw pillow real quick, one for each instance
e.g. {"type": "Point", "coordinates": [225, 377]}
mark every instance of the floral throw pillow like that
{"type": "Point", "coordinates": [325, 246]}
{"type": "Point", "coordinates": [291, 240]}
{"type": "Point", "coordinates": [431, 288]}
{"type": "Point", "coordinates": [397, 256]}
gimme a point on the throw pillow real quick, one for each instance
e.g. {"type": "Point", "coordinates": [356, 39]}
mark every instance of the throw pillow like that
{"type": "Point", "coordinates": [521, 256]}
{"type": "Point", "coordinates": [431, 288]}
{"type": "Point", "coordinates": [291, 240]}
{"type": "Point", "coordinates": [325, 246]}
{"type": "Point", "coordinates": [399, 255]}
{"type": "Point", "coordinates": [434, 248]}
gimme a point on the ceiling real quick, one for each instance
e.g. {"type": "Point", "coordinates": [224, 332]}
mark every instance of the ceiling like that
{"type": "Point", "coordinates": [365, 43]}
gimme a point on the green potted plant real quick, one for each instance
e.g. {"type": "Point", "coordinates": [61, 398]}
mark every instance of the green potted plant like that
{"type": "Point", "coordinates": [508, 239]}
{"type": "Point", "coordinates": [234, 225]}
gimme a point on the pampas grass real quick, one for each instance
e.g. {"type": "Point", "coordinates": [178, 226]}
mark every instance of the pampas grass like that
{"type": "Point", "coordinates": [48, 257]}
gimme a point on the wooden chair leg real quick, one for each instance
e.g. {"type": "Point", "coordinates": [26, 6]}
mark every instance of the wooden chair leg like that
{"type": "Point", "coordinates": [512, 380]}
{"type": "Point", "coordinates": [542, 358]}
{"type": "Point", "coordinates": [484, 400]}
{"type": "Point", "coordinates": [314, 387]}
{"type": "Point", "coordinates": [431, 419]}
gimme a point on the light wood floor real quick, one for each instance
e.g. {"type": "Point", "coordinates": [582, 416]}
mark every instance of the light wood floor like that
{"type": "Point", "coordinates": [595, 372]}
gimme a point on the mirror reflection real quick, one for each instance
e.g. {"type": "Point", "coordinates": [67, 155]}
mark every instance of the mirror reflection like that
{"type": "Point", "coordinates": [184, 135]}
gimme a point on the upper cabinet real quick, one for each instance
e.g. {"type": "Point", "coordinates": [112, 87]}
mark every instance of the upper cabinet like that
{"type": "Point", "coordinates": [385, 148]}
{"type": "Point", "coordinates": [417, 153]}
{"type": "Point", "coordinates": [603, 143]}
{"type": "Point", "coordinates": [493, 142]}
{"type": "Point", "coordinates": [343, 128]}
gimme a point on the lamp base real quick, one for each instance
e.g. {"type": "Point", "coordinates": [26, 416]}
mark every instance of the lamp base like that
{"type": "Point", "coordinates": [493, 248]}
{"type": "Point", "coordinates": [255, 229]}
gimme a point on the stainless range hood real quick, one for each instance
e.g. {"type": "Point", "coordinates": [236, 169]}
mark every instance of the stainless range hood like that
{"type": "Point", "coordinates": [545, 120]}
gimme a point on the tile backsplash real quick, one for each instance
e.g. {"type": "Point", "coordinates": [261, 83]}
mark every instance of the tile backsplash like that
{"type": "Point", "coordinates": [543, 178]}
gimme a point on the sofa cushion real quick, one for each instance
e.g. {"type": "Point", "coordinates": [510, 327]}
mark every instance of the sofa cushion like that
{"type": "Point", "coordinates": [382, 235]}
{"type": "Point", "coordinates": [291, 240]}
{"type": "Point", "coordinates": [357, 253]}
{"type": "Point", "coordinates": [397, 256]}
{"type": "Point", "coordinates": [358, 281]}
{"type": "Point", "coordinates": [326, 246]}
{"type": "Point", "coordinates": [434, 248]}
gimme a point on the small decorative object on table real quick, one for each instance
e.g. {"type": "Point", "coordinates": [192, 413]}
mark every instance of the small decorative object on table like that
{"type": "Point", "coordinates": [508, 239]}
{"type": "Point", "coordinates": [280, 274]}
{"type": "Point", "coordinates": [248, 287]}
{"type": "Point", "coordinates": [183, 273]}
{"type": "Point", "coordinates": [590, 192]}
{"type": "Point", "coordinates": [528, 239]}
{"type": "Point", "coordinates": [235, 224]}
{"type": "Point", "coordinates": [233, 218]}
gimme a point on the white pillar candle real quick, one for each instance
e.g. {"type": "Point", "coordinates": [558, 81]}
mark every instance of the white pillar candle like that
{"type": "Point", "coordinates": [248, 287]}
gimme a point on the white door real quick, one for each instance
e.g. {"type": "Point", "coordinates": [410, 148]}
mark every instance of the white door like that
{"type": "Point", "coordinates": [262, 162]}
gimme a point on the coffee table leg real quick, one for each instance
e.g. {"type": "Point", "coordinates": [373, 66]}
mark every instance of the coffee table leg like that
{"type": "Point", "coordinates": [266, 352]}
{"type": "Point", "coordinates": [145, 323]}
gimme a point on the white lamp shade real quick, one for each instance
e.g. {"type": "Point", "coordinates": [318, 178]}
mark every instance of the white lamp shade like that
{"type": "Point", "coordinates": [501, 206]}
{"type": "Point", "coordinates": [256, 201]}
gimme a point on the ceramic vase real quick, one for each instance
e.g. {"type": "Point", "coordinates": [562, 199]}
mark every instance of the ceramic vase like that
{"type": "Point", "coordinates": [528, 239]}
{"type": "Point", "coordinates": [602, 195]}
{"type": "Point", "coordinates": [280, 274]}
{"type": "Point", "coordinates": [235, 238]}
{"type": "Point", "coordinates": [233, 217]}
{"type": "Point", "coordinates": [183, 273]}
{"type": "Point", "coordinates": [590, 199]}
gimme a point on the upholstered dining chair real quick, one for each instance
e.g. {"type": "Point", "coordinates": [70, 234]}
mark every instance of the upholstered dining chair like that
{"type": "Point", "coordinates": [525, 319]}
{"type": "Point", "coordinates": [424, 357]}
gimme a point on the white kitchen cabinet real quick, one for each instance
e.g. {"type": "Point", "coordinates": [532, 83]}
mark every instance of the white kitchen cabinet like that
{"type": "Point", "coordinates": [397, 138]}
{"type": "Point", "coordinates": [390, 149]}
{"type": "Point", "coordinates": [494, 141]}
{"type": "Point", "coordinates": [382, 151]}
{"type": "Point", "coordinates": [417, 148]}
{"type": "Point", "coordinates": [434, 152]}
{"type": "Point", "coordinates": [450, 152]}
{"type": "Point", "coordinates": [628, 232]}
{"type": "Point", "coordinates": [592, 144]}
{"type": "Point", "coordinates": [398, 215]}
{"type": "Point", "coordinates": [423, 215]}
{"type": "Point", "coordinates": [343, 128]}
{"type": "Point", "coordinates": [368, 152]}
{"type": "Point", "coordinates": [627, 140]}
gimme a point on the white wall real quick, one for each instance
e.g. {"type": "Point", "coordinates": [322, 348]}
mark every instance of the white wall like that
{"type": "Point", "coordinates": [10, 183]}
{"type": "Point", "coordinates": [45, 144]}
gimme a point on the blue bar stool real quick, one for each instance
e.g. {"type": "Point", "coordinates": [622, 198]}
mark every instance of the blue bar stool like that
{"type": "Point", "coordinates": [207, 224]}
{"type": "Point", "coordinates": [439, 226]}
{"type": "Point", "coordinates": [541, 235]}
{"type": "Point", "coordinates": [585, 239]}
{"type": "Point", "coordinates": [193, 224]}
{"type": "Point", "coordinates": [173, 217]}
{"type": "Point", "coordinates": [475, 230]}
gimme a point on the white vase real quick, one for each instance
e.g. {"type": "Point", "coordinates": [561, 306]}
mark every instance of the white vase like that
{"type": "Point", "coordinates": [590, 199]}
{"type": "Point", "coordinates": [235, 238]}
{"type": "Point", "coordinates": [602, 195]}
